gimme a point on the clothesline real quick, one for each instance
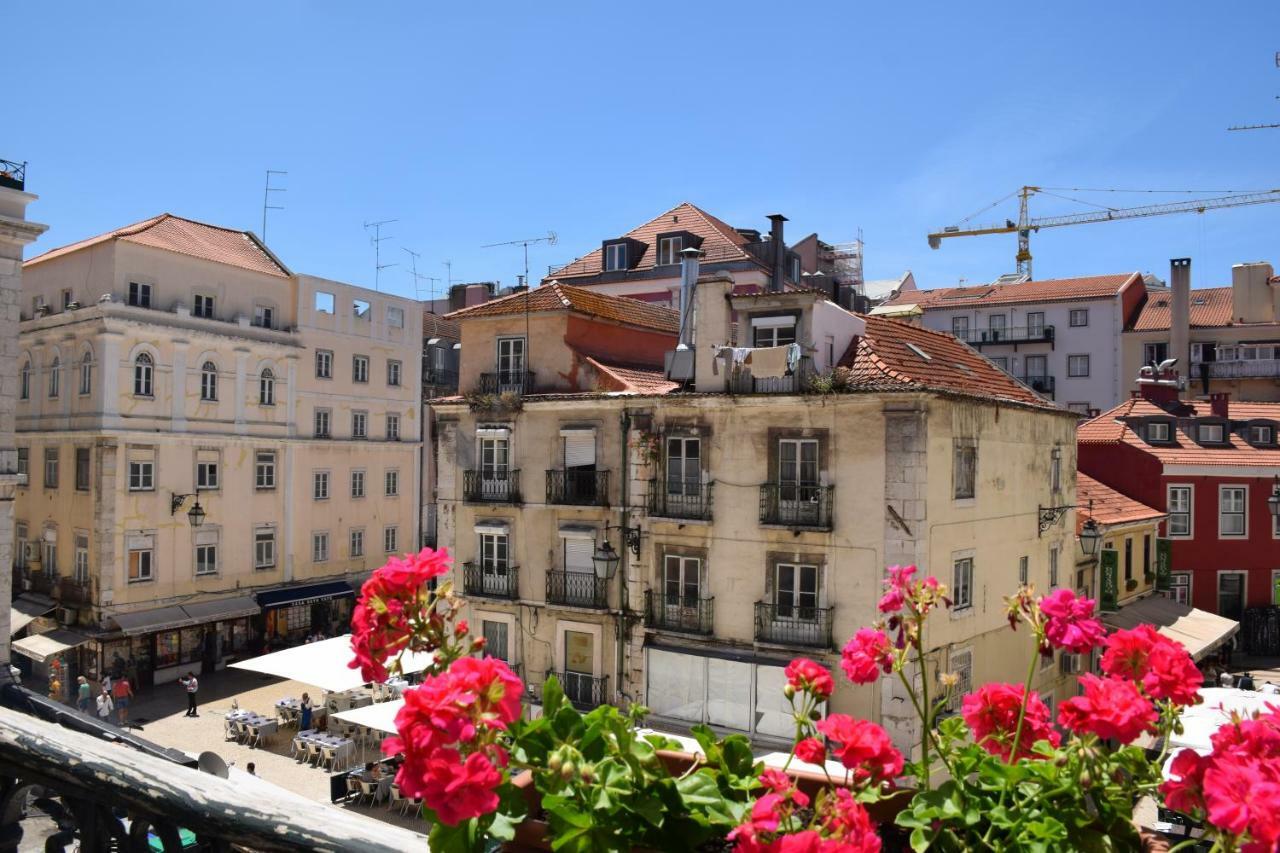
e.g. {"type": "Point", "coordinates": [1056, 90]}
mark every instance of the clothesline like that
{"type": "Point", "coordinates": [765, 362]}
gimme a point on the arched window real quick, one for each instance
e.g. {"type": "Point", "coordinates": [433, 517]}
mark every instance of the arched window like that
{"type": "Point", "coordinates": [143, 374]}
{"type": "Point", "coordinates": [55, 372]}
{"type": "Point", "coordinates": [26, 381]}
{"type": "Point", "coordinates": [267, 388]}
{"type": "Point", "coordinates": [86, 373]}
{"type": "Point", "coordinates": [209, 381]}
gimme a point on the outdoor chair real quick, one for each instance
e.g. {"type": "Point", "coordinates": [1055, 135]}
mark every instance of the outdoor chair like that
{"type": "Point", "coordinates": [242, 731]}
{"type": "Point", "coordinates": [329, 758]}
{"type": "Point", "coordinates": [353, 787]}
{"type": "Point", "coordinates": [370, 790]}
{"type": "Point", "coordinates": [229, 730]}
{"type": "Point", "coordinates": [395, 798]}
{"type": "Point", "coordinates": [313, 752]}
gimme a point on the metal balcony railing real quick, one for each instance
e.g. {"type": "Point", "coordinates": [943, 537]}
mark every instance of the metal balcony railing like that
{"type": "Point", "coordinates": [13, 175]}
{"type": "Point", "coordinates": [584, 691]}
{"type": "Point", "coordinates": [491, 581]}
{"type": "Point", "coordinates": [681, 499]}
{"type": "Point", "coordinates": [790, 625]}
{"type": "Point", "coordinates": [796, 505]}
{"type": "Point", "coordinates": [578, 487]}
{"type": "Point", "coordinates": [1253, 368]}
{"type": "Point", "coordinates": [689, 614]}
{"type": "Point", "coordinates": [515, 382]}
{"type": "Point", "coordinates": [72, 591]}
{"type": "Point", "coordinates": [577, 589]}
{"type": "Point", "coordinates": [742, 382]}
{"type": "Point", "coordinates": [439, 378]}
{"type": "Point", "coordinates": [1011, 335]}
{"type": "Point", "coordinates": [491, 486]}
{"type": "Point", "coordinates": [41, 582]}
{"type": "Point", "coordinates": [1043, 385]}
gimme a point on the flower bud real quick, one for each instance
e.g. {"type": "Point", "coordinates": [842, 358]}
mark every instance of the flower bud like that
{"type": "Point", "coordinates": [815, 715]}
{"type": "Point", "coordinates": [789, 692]}
{"type": "Point", "coordinates": [587, 773]}
{"type": "Point", "coordinates": [554, 762]}
{"type": "Point", "coordinates": [1085, 779]}
{"type": "Point", "coordinates": [568, 770]}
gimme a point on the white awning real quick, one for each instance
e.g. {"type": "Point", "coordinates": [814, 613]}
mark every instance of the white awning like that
{"type": "Point", "coordinates": [25, 609]}
{"type": "Point", "coordinates": [323, 664]}
{"type": "Point", "coordinates": [1199, 722]}
{"type": "Point", "coordinates": [42, 647]}
{"type": "Point", "coordinates": [492, 525]}
{"type": "Point", "coordinates": [380, 716]}
{"type": "Point", "coordinates": [1199, 631]}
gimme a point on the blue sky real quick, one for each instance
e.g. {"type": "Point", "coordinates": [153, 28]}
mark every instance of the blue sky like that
{"type": "Point", "coordinates": [480, 122]}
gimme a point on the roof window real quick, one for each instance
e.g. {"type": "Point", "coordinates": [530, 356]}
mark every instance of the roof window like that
{"type": "Point", "coordinates": [1212, 433]}
{"type": "Point", "coordinates": [1157, 432]}
{"type": "Point", "coordinates": [915, 349]}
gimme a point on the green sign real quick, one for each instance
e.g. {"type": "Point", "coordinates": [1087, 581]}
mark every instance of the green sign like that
{"type": "Point", "coordinates": [1275, 589]}
{"type": "Point", "coordinates": [1164, 564]}
{"type": "Point", "coordinates": [1109, 563]}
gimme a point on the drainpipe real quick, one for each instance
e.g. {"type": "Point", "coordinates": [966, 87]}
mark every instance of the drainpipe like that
{"type": "Point", "coordinates": [624, 599]}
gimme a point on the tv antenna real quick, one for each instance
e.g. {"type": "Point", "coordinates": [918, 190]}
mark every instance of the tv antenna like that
{"type": "Point", "coordinates": [551, 239]}
{"type": "Point", "coordinates": [267, 190]}
{"type": "Point", "coordinates": [1259, 126]}
{"type": "Point", "coordinates": [448, 266]}
{"type": "Point", "coordinates": [376, 240]}
{"type": "Point", "coordinates": [419, 277]}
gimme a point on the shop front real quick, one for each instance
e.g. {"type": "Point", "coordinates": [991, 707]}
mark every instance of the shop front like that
{"type": "Point", "coordinates": [294, 613]}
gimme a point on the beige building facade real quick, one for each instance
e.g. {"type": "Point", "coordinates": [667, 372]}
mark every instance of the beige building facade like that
{"type": "Point", "coordinates": [173, 363]}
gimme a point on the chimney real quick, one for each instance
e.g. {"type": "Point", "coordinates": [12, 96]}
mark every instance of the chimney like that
{"type": "Point", "coordinates": [688, 281]}
{"type": "Point", "coordinates": [712, 312]}
{"type": "Point", "coordinates": [1180, 311]}
{"type": "Point", "coordinates": [1252, 300]}
{"type": "Point", "coordinates": [779, 252]}
{"type": "Point", "coordinates": [1219, 404]}
{"type": "Point", "coordinates": [1157, 386]}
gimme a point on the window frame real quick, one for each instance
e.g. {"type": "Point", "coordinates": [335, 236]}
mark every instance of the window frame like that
{"type": "Point", "coordinates": [1203, 438]}
{"type": "Point", "coordinates": [205, 467]}
{"type": "Point", "coordinates": [391, 483]}
{"type": "Point", "coordinates": [798, 593]}
{"type": "Point", "coordinates": [395, 370]}
{"type": "Point", "coordinates": [199, 558]}
{"type": "Point", "coordinates": [264, 316]}
{"type": "Point", "coordinates": [264, 536]}
{"type": "Point", "coordinates": [360, 369]}
{"type": "Point", "coordinates": [52, 463]}
{"type": "Point", "coordinates": [392, 312]}
{"type": "Point", "coordinates": [1150, 426]}
{"type": "Point", "coordinates": [80, 565]}
{"type": "Point", "coordinates": [1264, 442]}
{"type": "Point", "coordinates": [144, 376]}
{"type": "Point", "coordinates": [962, 593]}
{"type": "Point", "coordinates": [392, 427]}
{"type": "Point", "coordinates": [355, 536]}
{"type": "Point", "coordinates": [202, 305]}
{"type": "Point", "coordinates": [1073, 362]}
{"type": "Point", "coordinates": [139, 294]}
{"type": "Point", "coordinates": [150, 561]}
{"type": "Point", "coordinates": [669, 247]}
{"type": "Point", "coordinates": [208, 382]}
{"type": "Point", "coordinates": [86, 374]}
{"type": "Point", "coordinates": [510, 356]}
{"type": "Point", "coordinates": [24, 383]}
{"type": "Point", "coordinates": [320, 551]}
{"type": "Point", "coordinates": [83, 483]}
{"type": "Point", "coordinates": [264, 470]}
{"type": "Point", "coordinates": [1078, 312]}
{"type": "Point", "coordinates": [320, 485]}
{"type": "Point", "coordinates": [1180, 488]}
{"type": "Point", "coordinates": [145, 475]}
{"type": "Point", "coordinates": [1242, 514]}
{"type": "Point", "coordinates": [964, 455]}
{"type": "Point", "coordinates": [267, 387]}
{"type": "Point", "coordinates": [612, 263]}
{"type": "Point", "coordinates": [390, 538]}
{"type": "Point", "coordinates": [316, 416]}
{"type": "Point", "coordinates": [359, 424]}
{"type": "Point", "coordinates": [357, 494]}
{"type": "Point", "coordinates": [324, 364]}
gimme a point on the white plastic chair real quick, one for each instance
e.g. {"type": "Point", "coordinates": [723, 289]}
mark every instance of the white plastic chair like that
{"type": "Point", "coordinates": [368, 789]}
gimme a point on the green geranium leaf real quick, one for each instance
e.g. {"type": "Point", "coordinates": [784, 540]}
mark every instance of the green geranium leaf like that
{"type": "Point", "coordinates": [552, 696]}
{"type": "Point", "coordinates": [613, 785]}
{"type": "Point", "coordinates": [738, 760]}
{"type": "Point", "coordinates": [700, 794]}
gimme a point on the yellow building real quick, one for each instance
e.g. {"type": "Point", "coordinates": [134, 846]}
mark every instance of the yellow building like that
{"type": "Point", "coordinates": [172, 363]}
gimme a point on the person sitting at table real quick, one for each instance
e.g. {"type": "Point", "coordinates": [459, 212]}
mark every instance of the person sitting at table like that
{"type": "Point", "coordinates": [304, 722]}
{"type": "Point", "coordinates": [372, 772]}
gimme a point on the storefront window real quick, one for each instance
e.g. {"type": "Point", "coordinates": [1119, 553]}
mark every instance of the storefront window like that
{"type": "Point", "coordinates": [239, 636]}
{"type": "Point", "coordinates": [167, 649]}
{"type": "Point", "coordinates": [192, 645]}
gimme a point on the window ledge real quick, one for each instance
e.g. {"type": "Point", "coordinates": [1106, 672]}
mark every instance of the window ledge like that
{"type": "Point", "coordinates": [962, 612]}
{"type": "Point", "coordinates": [964, 502]}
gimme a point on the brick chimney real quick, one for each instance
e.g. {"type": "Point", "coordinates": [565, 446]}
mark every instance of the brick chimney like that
{"type": "Point", "coordinates": [1158, 386]}
{"type": "Point", "coordinates": [1219, 404]}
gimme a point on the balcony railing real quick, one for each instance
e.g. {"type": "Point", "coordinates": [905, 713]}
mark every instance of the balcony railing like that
{"type": "Point", "coordinates": [13, 175]}
{"type": "Point", "coordinates": [791, 625]}
{"type": "Point", "coordinates": [41, 582]}
{"type": "Point", "coordinates": [72, 591]}
{"type": "Point", "coordinates": [583, 691]}
{"type": "Point", "coordinates": [577, 589]}
{"type": "Point", "coordinates": [1043, 385]}
{"type": "Point", "coordinates": [491, 581]}
{"type": "Point", "coordinates": [515, 382]}
{"type": "Point", "coordinates": [1011, 335]}
{"type": "Point", "coordinates": [1254, 368]}
{"type": "Point", "coordinates": [796, 506]}
{"type": "Point", "coordinates": [690, 615]}
{"type": "Point", "coordinates": [491, 486]}
{"type": "Point", "coordinates": [578, 487]}
{"type": "Point", "coordinates": [439, 378]}
{"type": "Point", "coordinates": [682, 499]}
{"type": "Point", "coordinates": [742, 382]}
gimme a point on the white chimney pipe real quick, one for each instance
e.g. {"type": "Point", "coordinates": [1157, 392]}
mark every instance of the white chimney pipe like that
{"type": "Point", "coordinates": [688, 280]}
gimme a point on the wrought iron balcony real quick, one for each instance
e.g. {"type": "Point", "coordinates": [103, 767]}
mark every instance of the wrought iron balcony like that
{"type": "Point", "coordinates": [1011, 335]}
{"type": "Point", "coordinates": [13, 175]}
{"type": "Point", "coordinates": [40, 582]}
{"type": "Point", "coordinates": [796, 506]}
{"type": "Point", "coordinates": [1253, 368]}
{"type": "Point", "coordinates": [578, 487]}
{"type": "Point", "coordinates": [790, 625]}
{"type": "Point", "coordinates": [439, 378]}
{"type": "Point", "coordinates": [690, 615]}
{"type": "Point", "coordinates": [513, 382]}
{"type": "Point", "coordinates": [491, 581]}
{"type": "Point", "coordinates": [577, 589]}
{"type": "Point", "coordinates": [583, 691]}
{"type": "Point", "coordinates": [491, 486]}
{"type": "Point", "coordinates": [742, 382]}
{"type": "Point", "coordinates": [1043, 385]}
{"type": "Point", "coordinates": [73, 591]}
{"type": "Point", "coordinates": [681, 499]}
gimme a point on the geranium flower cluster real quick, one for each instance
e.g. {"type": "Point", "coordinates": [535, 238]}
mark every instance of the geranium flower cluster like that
{"type": "Point", "coordinates": [992, 713]}
{"type": "Point", "coordinates": [396, 611]}
{"type": "Point", "coordinates": [840, 823]}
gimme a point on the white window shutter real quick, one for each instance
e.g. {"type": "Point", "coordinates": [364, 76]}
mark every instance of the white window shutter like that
{"type": "Point", "coordinates": [579, 447]}
{"type": "Point", "coordinates": [577, 555]}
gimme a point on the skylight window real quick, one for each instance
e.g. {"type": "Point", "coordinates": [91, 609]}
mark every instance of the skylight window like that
{"type": "Point", "coordinates": [915, 349]}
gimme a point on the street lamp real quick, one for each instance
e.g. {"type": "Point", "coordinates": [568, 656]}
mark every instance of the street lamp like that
{"type": "Point", "coordinates": [195, 515]}
{"type": "Point", "coordinates": [606, 559]}
{"type": "Point", "coordinates": [1273, 502]}
{"type": "Point", "coordinates": [1090, 536]}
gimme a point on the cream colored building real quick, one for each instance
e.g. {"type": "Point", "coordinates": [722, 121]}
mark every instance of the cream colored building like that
{"type": "Point", "coordinates": [173, 362]}
{"type": "Point", "coordinates": [762, 517]}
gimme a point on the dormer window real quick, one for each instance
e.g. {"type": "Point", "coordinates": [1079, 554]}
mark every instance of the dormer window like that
{"type": "Point", "coordinates": [669, 249]}
{"type": "Point", "coordinates": [615, 257]}
{"type": "Point", "coordinates": [1210, 433]}
{"type": "Point", "coordinates": [1261, 435]}
{"type": "Point", "coordinates": [1158, 431]}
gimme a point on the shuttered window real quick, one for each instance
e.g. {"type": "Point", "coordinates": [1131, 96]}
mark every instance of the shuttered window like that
{"type": "Point", "coordinates": [577, 554]}
{"type": "Point", "coordinates": [579, 448]}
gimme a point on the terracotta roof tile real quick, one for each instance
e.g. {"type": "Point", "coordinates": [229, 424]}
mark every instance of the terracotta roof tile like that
{"type": "Point", "coordinates": [1049, 290]}
{"type": "Point", "coordinates": [638, 380]}
{"type": "Point", "coordinates": [1210, 306]}
{"type": "Point", "coordinates": [1109, 506]}
{"type": "Point", "coordinates": [720, 242]}
{"type": "Point", "coordinates": [187, 237]}
{"type": "Point", "coordinates": [562, 297]}
{"type": "Point", "coordinates": [440, 326]}
{"type": "Point", "coordinates": [898, 356]}
{"type": "Point", "coordinates": [1111, 427]}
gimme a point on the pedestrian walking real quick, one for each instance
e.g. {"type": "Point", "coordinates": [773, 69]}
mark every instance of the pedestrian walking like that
{"type": "Point", "coordinates": [122, 693]}
{"type": "Point", "coordinates": [105, 706]}
{"type": "Point", "coordinates": [191, 685]}
{"type": "Point", "coordinates": [83, 694]}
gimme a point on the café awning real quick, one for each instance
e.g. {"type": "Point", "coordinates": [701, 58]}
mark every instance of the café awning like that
{"type": "Point", "coordinates": [25, 609]}
{"type": "Point", "coordinates": [223, 608]}
{"type": "Point", "coordinates": [42, 647]}
{"type": "Point", "coordinates": [156, 619]}
{"type": "Point", "coordinates": [304, 594]}
{"type": "Point", "coordinates": [380, 716]}
{"type": "Point", "coordinates": [322, 664]}
{"type": "Point", "coordinates": [1201, 632]}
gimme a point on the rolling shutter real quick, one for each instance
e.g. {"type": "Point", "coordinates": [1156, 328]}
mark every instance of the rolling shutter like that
{"type": "Point", "coordinates": [579, 447]}
{"type": "Point", "coordinates": [577, 554]}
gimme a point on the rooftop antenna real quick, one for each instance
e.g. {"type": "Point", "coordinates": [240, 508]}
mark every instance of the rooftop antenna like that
{"type": "Point", "coordinates": [448, 265]}
{"type": "Point", "coordinates": [267, 190]}
{"type": "Point", "coordinates": [551, 239]}
{"type": "Point", "coordinates": [419, 277]}
{"type": "Point", "coordinates": [376, 239]}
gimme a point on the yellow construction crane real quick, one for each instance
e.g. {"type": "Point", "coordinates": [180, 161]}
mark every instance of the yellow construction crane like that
{"type": "Point", "coordinates": [1025, 224]}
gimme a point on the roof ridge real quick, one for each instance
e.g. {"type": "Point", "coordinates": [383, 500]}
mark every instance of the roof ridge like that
{"type": "Point", "coordinates": [726, 230]}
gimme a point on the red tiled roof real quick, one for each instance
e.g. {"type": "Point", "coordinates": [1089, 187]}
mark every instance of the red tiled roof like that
{"type": "Point", "coordinates": [1111, 427]}
{"type": "Point", "coordinates": [1050, 290]}
{"type": "Point", "coordinates": [563, 297]}
{"type": "Point", "coordinates": [1210, 306]}
{"type": "Point", "coordinates": [186, 237]}
{"type": "Point", "coordinates": [897, 356]}
{"type": "Point", "coordinates": [720, 241]}
{"type": "Point", "coordinates": [1109, 506]}
{"type": "Point", "coordinates": [440, 326]}
{"type": "Point", "coordinates": [637, 380]}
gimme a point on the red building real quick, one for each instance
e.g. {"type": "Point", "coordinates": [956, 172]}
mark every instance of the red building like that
{"type": "Point", "coordinates": [1210, 465]}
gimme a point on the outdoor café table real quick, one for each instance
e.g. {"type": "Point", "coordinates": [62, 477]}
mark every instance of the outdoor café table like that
{"type": "Point", "coordinates": [345, 747]}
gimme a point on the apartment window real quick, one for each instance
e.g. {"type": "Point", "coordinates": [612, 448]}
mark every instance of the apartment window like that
{"type": "Point", "coordinates": [320, 485]}
{"type": "Point", "coordinates": [1155, 352]}
{"type": "Point", "coordinates": [391, 483]}
{"type": "Point", "coordinates": [203, 306]}
{"type": "Point", "coordinates": [393, 372]}
{"type": "Point", "coordinates": [359, 424]}
{"type": "Point", "coordinates": [1231, 510]}
{"type": "Point", "coordinates": [1079, 316]}
{"type": "Point", "coordinates": [1260, 434]}
{"type": "Point", "coordinates": [510, 358]}
{"type": "Point", "coordinates": [51, 467]}
{"type": "Point", "coordinates": [1147, 567]}
{"type": "Point", "coordinates": [324, 364]}
{"type": "Point", "coordinates": [264, 473]}
{"type": "Point", "coordinates": [1158, 431]}
{"type": "Point", "coordinates": [267, 388]}
{"type": "Point", "coordinates": [321, 423]}
{"type": "Point", "coordinates": [1035, 324]}
{"type": "Point", "coordinates": [393, 427]}
{"type": "Point", "coordinates": [67, 299]}
{"type": "Point", "coordinates": [962, 583]}
{"type": "Point", "coordinates": [1001, 361]}
{"type": "Point", "coordinates": [682, 580]}
{"type": "Point", "coordinates": [395, 317]}
{"type": "Point", "coordinates": [390, 538]}
{"type": "Point", "coordinates": [206, 559]}
{"type": "Point", "coordinates": [143, 376]}
{"type": "Point", "coordinates": [20, 545]}
{"type": "Point", "coordinates": [669, 250]}
{"type": "Point", "coordinates": [1053, 566]}
{"type": "Point", "coordinates": [139, 295]}
{"type": "Point", "coordinates": [264, 548]}
{"type": "Point", "coordinates": [141, 561]}
{"type": "Point", "coordinates": [964, 468]}
{"type": "Point", "coordinates": [357, 484]}
{"type": "Point", "coordinates": [1077, 365]}
{"type": "Point", "coordinates": [795, 591]}
{"type": "Point", "coordinates": [360, 368]}
{"type": "Point", "coordinates": [960, 664]}
{"type": "Point", "coordinates": [209, 382]}
{"type": "Point", "coordinates": [360, 309]}
{"type": "Point", "coordinates": [1180, 586]}
{"type": "Point", "coordinates": [495, 638]}
{"type": "Point", "coordinates": [1055, 469]}
{"type": "Point", "coordinates": [86, 373]}
{"type": "Point", "coordinates": [1209, 433]}
{"type": "Point", "coordinates": [1128, 558]}
{"type": "Point", "coordinates": [49, 548]}
{"type": "Point", "coordinates": [356, 542]}
{"type": "Point", "coordinates": [142, 475]}
{"type": "Point", "coordinates": [1024, 570]}
{"type": "Point", "coordinates": [319, 547]}
{"type": "Point", "coordinates": [494, 554]}
{"type": "Point", "coordinates": [1179, 504]}
{"type": "Point", "coordinates": [82, 468]}
{"type": "Point", "coordinates": [81, 567]}
{"type": "Point", "coordinates": [55, 376]}
{"type": "Point", "coordinates": [684, 466]}
{"type": "Point", "coordinates": [207, 469]}
{"type": "Point", "coordinates": [24, 392]}
{"type": "Point", "coordinates": [263, 315]}
{"type": "Point", "coordinates": [615, 257]}
{"type": "Point", "coordinates": [773, 332]}
{"type": "Point", "coordinates": [24, 463]}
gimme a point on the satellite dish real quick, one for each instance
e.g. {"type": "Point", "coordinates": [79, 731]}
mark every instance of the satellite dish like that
{"type": "Point", "coordinates": [212, 763]}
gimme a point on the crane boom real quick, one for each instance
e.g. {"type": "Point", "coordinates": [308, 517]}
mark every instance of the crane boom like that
{"type": "Point", "coordinates": [1025, 225]}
